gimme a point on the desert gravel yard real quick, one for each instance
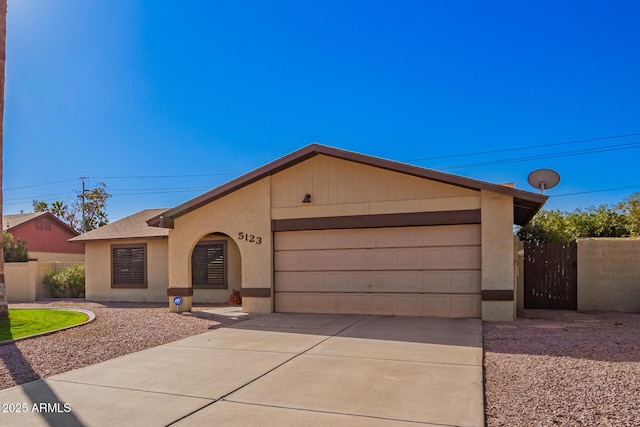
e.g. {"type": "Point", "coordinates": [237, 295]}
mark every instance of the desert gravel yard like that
{"type": "Point", "coordinates": [547, 369]}
{"type": "Point", "coordinates": [563, 368]}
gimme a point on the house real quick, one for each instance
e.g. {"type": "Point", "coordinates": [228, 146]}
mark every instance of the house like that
{"type": "Point", "coordinates": [323, 230]}
{"type": "Point", "coordinates": [46, 236]}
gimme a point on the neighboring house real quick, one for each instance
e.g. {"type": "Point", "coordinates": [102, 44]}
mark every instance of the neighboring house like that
{"type": "Point", "coordinates": [324, 230]}
{"type": "Point", "coordinates": [46, 236]}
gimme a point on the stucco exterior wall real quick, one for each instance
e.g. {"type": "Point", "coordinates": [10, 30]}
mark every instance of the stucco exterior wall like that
{"type": "Point", "coordinates": [21, 281]}
{"type": "Point", "coordinates": [246, 211]}
{"type": "Point", "coordinates": [98, 272]}
{"type": "Point", "coordinates": [57, 256]}
{"type": "Point", "coordinates": [609, 274]}
{"type": "Point", "coordinates": [339, 187]}
{"type": "Point", "coordinates": [497, 253]}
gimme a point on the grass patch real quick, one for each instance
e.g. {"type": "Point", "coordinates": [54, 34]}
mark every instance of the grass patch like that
{"type": "Point", "coordinates": [25, 322]}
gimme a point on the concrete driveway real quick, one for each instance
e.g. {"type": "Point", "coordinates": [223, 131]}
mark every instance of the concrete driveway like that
{"type": "Point", "coordinates": [276, 370]}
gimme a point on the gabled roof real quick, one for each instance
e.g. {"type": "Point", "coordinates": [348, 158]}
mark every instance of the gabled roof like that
{"type": "Point", "coordinates": [525, 206]}
{"type": "Point", "coordinates": [12, 221]}
{"type": "Point", "coordinates": [132, 227]}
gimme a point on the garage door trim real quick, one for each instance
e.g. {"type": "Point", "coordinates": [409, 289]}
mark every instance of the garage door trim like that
{"type": "Point", "coordinates": [470, 216]}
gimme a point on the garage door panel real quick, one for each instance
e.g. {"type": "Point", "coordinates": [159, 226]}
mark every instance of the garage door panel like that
{"type": "Point", "coordinates": [436, 305]}
{"type": "Point", "coordinates": [465, 235]}
{"type": "Point", "coordinates": [465, 257]}
{"type": "Point", "coordinates": [383, 281]}
{"type": "Point", "coordinates": [409, 259]}
{"type": "Point", "coordinates": [435, 258]}
{"type": "Point", "coordinates": [409, 305]}
{"type": "Point", "coordinates": [298, 303]}
{"type": "Point", "coordinates": [384, 259]}
{"type": "Point", "coordinates": [358, 259]}
{"type": "Point", "coordinates": [457, 282]}
{"type": "Point", "coordinates": [465, 282]}
{"type": "Point", "coordinates": [445, 235]}
{"type": "Point", "coordinates": [410, 281]}
{"type": "Point", "coordinates": [466, 305]}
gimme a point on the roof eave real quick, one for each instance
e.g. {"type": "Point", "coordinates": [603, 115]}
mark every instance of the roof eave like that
{"type": "Point", "coordinates": [109, 239]}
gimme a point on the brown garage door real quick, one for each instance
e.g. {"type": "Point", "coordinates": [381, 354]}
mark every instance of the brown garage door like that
{"type": "Point", "coordinates": [415, 271]}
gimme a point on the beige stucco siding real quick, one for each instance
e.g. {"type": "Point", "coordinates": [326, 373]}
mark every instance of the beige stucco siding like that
{"type": "Point", "coordinates": [340, 187]}
{"type": "Point", "coordinates": [247, 211]}
{"type": "Point", "coordinates": [497, 253]}
{"type": "Point", "coordinates": [98, 272]}
{"type": "Point", "coordinates": [56, 256]}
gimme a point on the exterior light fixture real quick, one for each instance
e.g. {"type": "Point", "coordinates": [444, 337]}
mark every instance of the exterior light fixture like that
{"type": "Point", "coordinates": [307, 198]}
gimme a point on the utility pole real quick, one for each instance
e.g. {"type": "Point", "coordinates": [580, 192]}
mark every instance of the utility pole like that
{"type": "Point", "coordinates": [84, 225]}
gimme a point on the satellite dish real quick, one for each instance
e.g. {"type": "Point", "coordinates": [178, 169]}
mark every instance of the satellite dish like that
{"type": "Point", "coordinates": [543, 179]}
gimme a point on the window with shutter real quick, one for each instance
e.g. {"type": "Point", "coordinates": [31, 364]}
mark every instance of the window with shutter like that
{"type": "Point", "coordinates": [209, 265]}
{"type": "Point", "coordinates": [129, 266]}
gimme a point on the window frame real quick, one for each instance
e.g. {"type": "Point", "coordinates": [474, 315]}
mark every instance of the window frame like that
{"type": "Point", "coordinates": [143, 285]}
{"type": "Point", "coordinates": [225, 270]}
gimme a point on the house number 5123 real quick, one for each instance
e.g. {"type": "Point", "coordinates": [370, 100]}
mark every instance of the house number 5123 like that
{"type": "Point", "coordinates": [251, 238]}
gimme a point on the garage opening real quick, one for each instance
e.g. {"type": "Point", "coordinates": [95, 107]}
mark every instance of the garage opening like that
{"type": "Point", "coordinates": [410, 271]}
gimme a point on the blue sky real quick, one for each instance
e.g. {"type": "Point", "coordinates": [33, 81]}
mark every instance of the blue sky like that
{"type": "Point", "coordinates": [123, 89]}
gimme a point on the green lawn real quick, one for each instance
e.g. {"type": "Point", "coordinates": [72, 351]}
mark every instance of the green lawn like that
{"type": "Point", "coordinates": [25, 322]}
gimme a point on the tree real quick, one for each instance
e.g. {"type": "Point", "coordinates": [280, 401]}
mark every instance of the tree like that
{"type": "Point", "coordinates": [546, 226]}
{"type": "Point", "coordinates": [14, 251]}
{"type": "Point", "coordinates": [630, 207]}
{"type": "Point", "coordinates": [95, 205]}
{"type": "Point", "coordinates": [595, 221]}
{"type": "Point", "coordinates": [4, 307]}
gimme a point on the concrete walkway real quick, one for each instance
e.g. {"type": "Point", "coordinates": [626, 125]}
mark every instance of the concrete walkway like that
{"type": "Point", "coordinates": [276, 370]}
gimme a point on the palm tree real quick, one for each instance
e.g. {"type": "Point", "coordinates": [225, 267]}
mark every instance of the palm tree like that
{"type": "Point", "coordinates": [4, 307]}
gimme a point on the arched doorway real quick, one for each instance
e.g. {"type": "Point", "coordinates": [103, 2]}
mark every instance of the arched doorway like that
{"type": "Point", "coordinates": [216, 268]}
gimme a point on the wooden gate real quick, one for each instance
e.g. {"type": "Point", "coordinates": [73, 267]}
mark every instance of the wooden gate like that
{"type": "Point", "coordinates": [551, 275]}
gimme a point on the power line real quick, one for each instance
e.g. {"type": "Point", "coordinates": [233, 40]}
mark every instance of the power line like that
{"type": "Point", "coordinates": [40, 185]}
{"type": "Point", "coordinates": [571, 153]}
{"type": "Point", "coordinates": [158, 192]}
{"type": "Point", "coordinates": [595, 191]}
{"type": "Point", "coordinates": [166, 176]}
{"type": "Point", "coordinates": [506, 150]}
{"type": "Point", "coordinates": [161, 188]}
{"type": "Point", "coordinates": [37, 197]}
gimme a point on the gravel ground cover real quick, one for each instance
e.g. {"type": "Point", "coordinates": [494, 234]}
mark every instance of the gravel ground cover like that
{"type": "Point", "coordinates": [563, 368]}
{"type": "Point", "coordinates": [119, 329]}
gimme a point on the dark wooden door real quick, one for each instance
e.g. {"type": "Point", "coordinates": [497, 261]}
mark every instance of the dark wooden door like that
{"type": "Point", "coordinates": [551, 275]}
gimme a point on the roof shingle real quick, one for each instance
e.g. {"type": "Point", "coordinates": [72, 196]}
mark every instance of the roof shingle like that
{"type": "Point", "coordinates": [132, 227]}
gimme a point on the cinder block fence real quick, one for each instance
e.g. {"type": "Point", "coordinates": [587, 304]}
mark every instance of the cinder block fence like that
{"type": "Point", "coordinates": [609, 274]}
{"type": "Point", "coordinates": [24, 279]}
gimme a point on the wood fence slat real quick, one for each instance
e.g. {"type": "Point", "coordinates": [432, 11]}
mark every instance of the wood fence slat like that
{"type": "Point", "coordinates": [550, 275]}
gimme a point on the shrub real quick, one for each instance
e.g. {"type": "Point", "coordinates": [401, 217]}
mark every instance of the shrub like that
{"type": "Point", "coordinates": [66, 283]}
{"type": "Point", "coordinates": [14, 252]}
